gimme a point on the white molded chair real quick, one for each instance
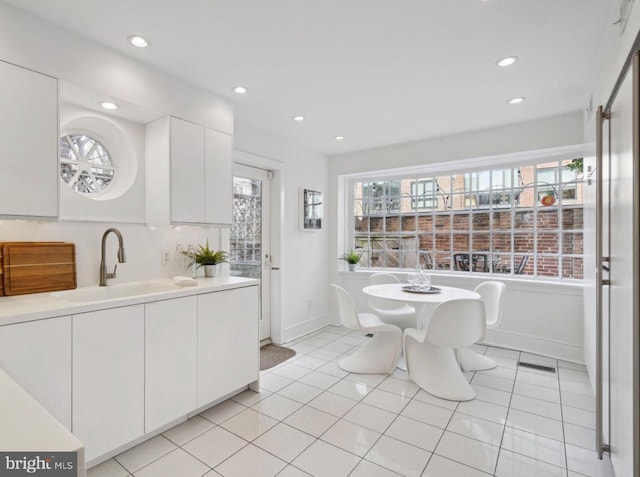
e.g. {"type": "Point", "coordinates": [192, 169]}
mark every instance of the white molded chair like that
{"type": "Point", "coordinates": [492, 295]}
{"type": "Point", "coordinates": [389, 311]}
{"type": "Point", "coordinates": [377, 355]}
{"type": "Point", "coordinates": [430, 353]}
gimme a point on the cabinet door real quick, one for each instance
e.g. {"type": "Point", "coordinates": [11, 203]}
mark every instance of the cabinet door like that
{"type": "Point", "coordinates": [37, 355]}
{"type": "Point", "coordinates": [218, 173]}
{"type": "Point", "coordinates": [108, 378]}
{"type": "Point", "coordinates": [28, 143]}
{"type": "Point", "coordinates": [170, 360]}
{"type": "Point", "coordinates": [228, 345]}
{"type": "Point", "coordinates": [187, 172]}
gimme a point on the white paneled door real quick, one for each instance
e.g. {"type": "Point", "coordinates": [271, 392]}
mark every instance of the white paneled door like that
{"type": "Point", "coordinates": [250, 235]}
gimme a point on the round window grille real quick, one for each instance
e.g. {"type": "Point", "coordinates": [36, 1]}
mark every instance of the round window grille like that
{"type": "Point", "coordinates": [85, 164]}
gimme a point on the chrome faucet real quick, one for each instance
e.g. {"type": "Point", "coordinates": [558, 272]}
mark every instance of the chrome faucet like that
{"type": "Point", "coordinates": [104, 275]}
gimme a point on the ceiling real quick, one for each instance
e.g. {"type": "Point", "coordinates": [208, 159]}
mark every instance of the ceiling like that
{"type": "Point", "coordinates": [377, 72]}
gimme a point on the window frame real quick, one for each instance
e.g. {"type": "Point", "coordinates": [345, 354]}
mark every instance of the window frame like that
{"type": "Point", "coordinates": [83, 164]}
{"type": "Point", "coordinates": [420, 197]}
{"type": "Point", "coordinates": [538, 259]}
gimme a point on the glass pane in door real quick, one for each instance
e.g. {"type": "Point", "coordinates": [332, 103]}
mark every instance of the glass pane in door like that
{"type": "Point", "coordinates": [246, 231]}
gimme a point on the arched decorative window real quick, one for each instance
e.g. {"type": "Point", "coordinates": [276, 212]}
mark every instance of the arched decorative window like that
{"type": "Point", "coordinates": [85, 164]}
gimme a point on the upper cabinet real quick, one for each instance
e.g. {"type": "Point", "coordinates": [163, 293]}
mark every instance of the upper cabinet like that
{"type": "Point", "coordinates": [28, 143]}
{"type": "Point", "coordinates": [189, 173]}
{"type": "Point", "coordinates": [218, 177]}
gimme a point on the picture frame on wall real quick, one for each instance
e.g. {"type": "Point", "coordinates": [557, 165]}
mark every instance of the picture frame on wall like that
{"type": "Point", "coordinates": [311, 210]}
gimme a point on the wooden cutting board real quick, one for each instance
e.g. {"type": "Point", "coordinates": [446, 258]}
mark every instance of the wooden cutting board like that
{"type": "Point", "coordinates": [2, 268]}
{"type": "Point", "coordinates": [35, 267]}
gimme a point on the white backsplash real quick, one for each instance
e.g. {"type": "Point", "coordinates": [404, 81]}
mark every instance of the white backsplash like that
{"type": "Point", "coordinates": [143, 245]}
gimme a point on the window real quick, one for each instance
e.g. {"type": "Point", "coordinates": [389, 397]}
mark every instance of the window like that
{"type": "Point", "coordinates": [476, 221]}
{"type": "Point", "coordinates": [492, 187]}
{"type": "Point", "coordinates": [553, 180]}
{"type": "Point", "coordinates": [423, 194]}
{"type": "Point", "coordinates": [85, 164]}
{"type": "Point", "coordinates": [381, 197]}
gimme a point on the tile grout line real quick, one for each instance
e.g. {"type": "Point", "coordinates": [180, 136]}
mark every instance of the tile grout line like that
{"type": "Point", "coordinates": [504, 428]}
{"type": "Point", "coordinates": [322, 390]}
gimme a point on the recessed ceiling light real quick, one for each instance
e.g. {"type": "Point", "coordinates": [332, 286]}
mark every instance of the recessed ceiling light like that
{"type": "Point", "coordinates": [108, 105]}
{"type": "Point", "coordinates": [339, 138]}
{"type": "Point", "coordinates": [515, 100]}
{"type": "Point", "coordinates": [298, 118]}
{"type": "Point", "coordinates": [240, 90]}
{"type": "Point", "coordinates": [507, 61]}
{"type": "Point", "coordinates": [139, 41]}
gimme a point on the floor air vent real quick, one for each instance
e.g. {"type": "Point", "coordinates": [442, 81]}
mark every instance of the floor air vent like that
{"type": "Point", "coordinates": [537, 366]}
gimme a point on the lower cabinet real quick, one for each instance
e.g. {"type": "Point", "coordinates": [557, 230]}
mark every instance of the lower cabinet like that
{"type": "Point", "coordinates": [170, 360]}
{"type": "Point", "coordinates": [108, 378]}
{"type": "Point", "coordinates": [37, 356]}
{"type": "Point", "coordinates": [114, 375]}
{"type": "Point", "coordinates": [228, 344]}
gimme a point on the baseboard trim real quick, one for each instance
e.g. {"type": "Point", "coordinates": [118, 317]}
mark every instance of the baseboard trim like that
{"type": "Point", "coordinates": [534, 344]}
{"type": "Point", "coordinates": [306, 327]}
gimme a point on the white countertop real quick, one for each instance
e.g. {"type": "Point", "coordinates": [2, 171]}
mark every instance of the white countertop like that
{"type": "Point", "coordinates": [37, 306]}
{"type": "Point", "coordinates": [28, 427]}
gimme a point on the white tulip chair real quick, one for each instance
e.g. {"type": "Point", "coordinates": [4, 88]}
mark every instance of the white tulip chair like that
{"type": "Point", "coordinates": [430, 353]}
{"type": "Point", "coordinates": [389, 311]}
{"type": "Point", "coordinates": [379, 354]}
{"type": "Point", "coordinates": [492, 295]}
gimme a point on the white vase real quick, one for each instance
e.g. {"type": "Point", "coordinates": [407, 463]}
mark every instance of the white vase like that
{"type": "Point", "coordinates": [209, 270]}
{"type": "Point", "coordinates": [352, 267]}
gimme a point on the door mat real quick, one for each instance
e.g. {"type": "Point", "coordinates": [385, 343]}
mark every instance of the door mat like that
{"type": "Point", "coordinates": [272, 355]}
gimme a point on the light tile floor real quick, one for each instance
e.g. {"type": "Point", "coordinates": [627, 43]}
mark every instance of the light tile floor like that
{"type": "Point", "coordinates": [312, 418]}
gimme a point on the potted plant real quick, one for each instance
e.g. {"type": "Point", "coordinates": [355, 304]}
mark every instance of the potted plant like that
{"type": "Point", "coordinates": [549, 198]}
{"type": "Point", "coordinates": [207, 258]}
{"type": "Point", "coordinates": [352, 258]}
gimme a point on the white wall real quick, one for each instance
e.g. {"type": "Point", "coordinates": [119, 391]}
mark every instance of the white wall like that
{"type": "Point", "coordinates": [125, 142]}
{"type": "Point", "coordinates": [545, 133]}
{"type": "Point", "coordinates": [301, 256]}
{"type": "Point", "coordinates": [142, 244]}
{"type": "Point", "coordinates": [541, 317]}
{"type": "Point", "coordinates": [32, 43]}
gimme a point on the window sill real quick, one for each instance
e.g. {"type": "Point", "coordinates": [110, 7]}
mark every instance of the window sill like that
{"type": "Point", "coordinates": [468, 280]}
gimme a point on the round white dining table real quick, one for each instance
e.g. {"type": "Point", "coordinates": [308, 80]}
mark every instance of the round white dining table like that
{"type": "Point", "coordinates": [424, 303]}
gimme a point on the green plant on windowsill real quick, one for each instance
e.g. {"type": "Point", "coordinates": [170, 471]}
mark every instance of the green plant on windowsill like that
{"type": "Point", "coordinates": [352, 258]}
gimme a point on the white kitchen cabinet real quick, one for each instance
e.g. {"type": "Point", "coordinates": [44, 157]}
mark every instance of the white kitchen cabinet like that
{"type": "Point", "coordinates": [28, 143]}
{"type": "Point", "coordinates": [187, 172]}
{"type": "Point", "coordinates": [170, 360]}
{"type": "Point", "coordinates": [194, 164]}
{"type": "Point", "coordinates": [37, 356]}
{"type": "Point", "coordinates": [108, 378]}
{"type": "Point", "coordinates": [228, 344]}
{"type": "Point", "coordinates": [218, 175]}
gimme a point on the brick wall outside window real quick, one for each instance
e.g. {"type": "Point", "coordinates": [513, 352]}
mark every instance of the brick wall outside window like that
{"type": "Point", "coordinates": [514, 228]}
